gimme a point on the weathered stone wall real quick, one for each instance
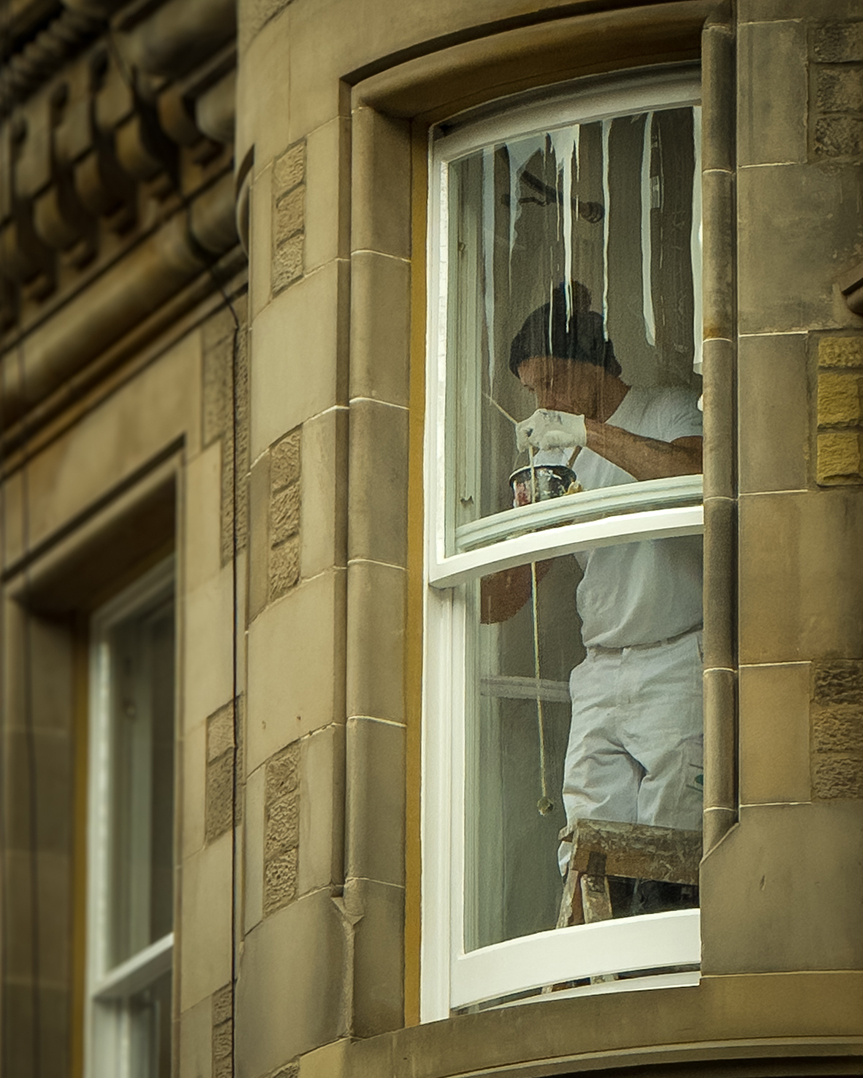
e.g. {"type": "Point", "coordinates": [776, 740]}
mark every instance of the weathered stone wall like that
{"type": "Point", "coordinates": [837, 729]}
{"type": "Point", "coordinates": [840, 411]}
{"type": "Point", "coordinates": [799, 639]}
{"type": "Point", "coordinates": [791, 199]}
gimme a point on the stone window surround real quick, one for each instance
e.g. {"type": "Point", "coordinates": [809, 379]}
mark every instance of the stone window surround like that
{"type": "Point", "coordinates": [107, 546]}
{"type": "Point", "coordinates": [405, 101]}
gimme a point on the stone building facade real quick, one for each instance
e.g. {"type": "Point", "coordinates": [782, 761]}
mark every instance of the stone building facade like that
{"type": "Point", "coordinates": [214, 275]}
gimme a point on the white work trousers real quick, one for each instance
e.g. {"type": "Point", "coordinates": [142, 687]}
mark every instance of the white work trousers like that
{"type": "Point", "coordinates": [635, 750]}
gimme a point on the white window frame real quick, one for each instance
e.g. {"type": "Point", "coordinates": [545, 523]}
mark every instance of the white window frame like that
{"type": "Point", "coordinates": [108, 1041]}
{"type": "Point", "coordinates": [450, 977]}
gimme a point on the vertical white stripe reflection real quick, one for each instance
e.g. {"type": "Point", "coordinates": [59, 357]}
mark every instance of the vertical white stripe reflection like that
{"type": "Point", "coordinates": [647, 235]}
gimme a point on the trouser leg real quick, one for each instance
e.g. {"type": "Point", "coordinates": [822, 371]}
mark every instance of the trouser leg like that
{"type": "Point", "coordinates": [600, 778]}
{"type": "Point", "coordinates": [665, 734]}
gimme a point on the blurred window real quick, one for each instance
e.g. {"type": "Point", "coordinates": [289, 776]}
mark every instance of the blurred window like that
{"type": "Point", "coordinates": [131, 829]}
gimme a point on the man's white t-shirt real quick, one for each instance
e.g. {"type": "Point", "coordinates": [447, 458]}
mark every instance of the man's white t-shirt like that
{"type": "Point", "coordinates": [641, 592]}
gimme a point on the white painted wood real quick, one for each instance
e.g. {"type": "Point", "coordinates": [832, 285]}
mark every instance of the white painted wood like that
{"type": "Point", "coordinates": [629, 943]}
{"type": "Point", "coordinates": [536, 546]}
{"type": "Point", "coordinates": [669, 492]}
{"type": "Point", "coordinates": [137, 972]}
{"type": "Point", "coordinates": [603, 98]}
{"type": "Point", "coordinates": [686, 979]}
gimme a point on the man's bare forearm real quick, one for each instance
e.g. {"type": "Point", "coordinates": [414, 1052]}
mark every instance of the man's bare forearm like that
{"type": "Point", "coordinates": [503, 594]}
{"type": "Point", "coordinates": [644, 458]}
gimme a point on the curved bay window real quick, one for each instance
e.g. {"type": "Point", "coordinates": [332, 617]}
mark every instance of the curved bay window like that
{"type": "Point", "coordinates": [563, 729]}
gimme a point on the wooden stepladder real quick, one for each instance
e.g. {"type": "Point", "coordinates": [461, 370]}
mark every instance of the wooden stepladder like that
{"type": "Point", "coordinates": [603, 848]}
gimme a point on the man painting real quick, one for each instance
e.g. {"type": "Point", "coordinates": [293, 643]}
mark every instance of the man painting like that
{"type": "Point", "coordinates": [635, 741]}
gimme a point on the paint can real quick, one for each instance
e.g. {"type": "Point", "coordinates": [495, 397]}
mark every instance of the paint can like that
{"type": "Point", "coordinates": [541, 483]}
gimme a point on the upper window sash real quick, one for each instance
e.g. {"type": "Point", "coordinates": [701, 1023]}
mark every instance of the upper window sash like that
{"type": "Point", "coordinates": [652, 509]}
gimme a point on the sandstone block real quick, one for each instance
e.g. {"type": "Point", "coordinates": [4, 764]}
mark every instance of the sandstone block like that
{"type": "Point", "coordinates": [840, 458]}
{"type": "Point", "coordinates": [775, 733]}
{"type": "Point", "coordinates": [840, 351]}
{"type": "Point", "coordinates": [256, 14]}
{"type": "Point", "coordinates": [217, 328]}
{"type": "Point", "coordinates": [290, 214]}
{"type": "Point", "coordinates": [229, 493]}
{"type": "Point", "coordinates": [223, 1040]}
{"type": "Point", "coordinates": [285, 514]}
{"type": "Point", "coordinates": [196, 1040]}
{"type": "Point", "coordinates": [836, 776]}
{"type": "Point", "coordinates": [223, 1068]}
{"type": "Point", "coordinates": [838, 682]}
{"type": "Point", "coordinates": [220, 732]}
{"type": "Point", "coordinates": [284, 567]}
{"type": "Point", "coordinates": [285, 459]}
{"type": "Point", "coordinates": [290, 169]}
{"type": "Point", "coordinates": [282, 825]}
{"type": "Point", "coordinates": [219, 796]}
{"type": "Point", "coordinates": [839, 42]}
{"type": "Point", "coordinates": [290, 1071]}
{"type": "Point", "coordinates": [280, 880]}
{"type": "Point", "coordinates": [774, 414]}
{"type": "Point", "coordinates": [840, 399]}
{"type": "Point", "coordinates": [839, 89]}
{"type": "Point", "coordinates": [768, 53]}
{"type": "Point", "coordinates": [218, 361]}
{"type": "Point", "coordinates": [222, 1004]}
{"type": "Point", "coordinates": [838, 729]}
{"type": "Point", "coordinates": [283, 773]}
{"type": "Point", "coordinates": [838, 136]}
{"type": "Point", "coordinates": [205, 922]}
{"type": "Point", "coordinates": [288, 263]}
{"type": "Point", "coordinates": [259, 546]}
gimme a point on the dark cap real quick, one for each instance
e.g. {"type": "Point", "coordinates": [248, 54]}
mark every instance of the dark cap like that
{"type": "Point", "coordinates": [548, 332]}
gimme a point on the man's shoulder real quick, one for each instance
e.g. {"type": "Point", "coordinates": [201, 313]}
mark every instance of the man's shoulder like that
{"type": "Point", "coordinates": [666, 412]}
{"type": "Point", "coordinates": [663, 396]}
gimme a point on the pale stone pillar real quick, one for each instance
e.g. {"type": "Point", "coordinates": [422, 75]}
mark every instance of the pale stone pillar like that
{"type": "Point", "coordinates": [782, 888]}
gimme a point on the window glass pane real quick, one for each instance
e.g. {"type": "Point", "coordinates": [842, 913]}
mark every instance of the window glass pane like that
{"type": "Point", "coordinates": [579, 243]}
{"type": "Point", "coordinates": [150, 1030]}
{"type": "Point", "coordinates": [584, 704]}
{"type": "Point", "coordinates": [141, 679]}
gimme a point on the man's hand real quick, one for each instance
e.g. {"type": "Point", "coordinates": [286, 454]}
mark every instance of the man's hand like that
{"type": "Point", "coordinates": [546, 429]}
{"type": "Point", "coordinates": [504, 593]}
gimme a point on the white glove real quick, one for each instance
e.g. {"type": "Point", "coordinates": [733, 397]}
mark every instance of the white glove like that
{"type": "Point", "coordinates": [551, 430]}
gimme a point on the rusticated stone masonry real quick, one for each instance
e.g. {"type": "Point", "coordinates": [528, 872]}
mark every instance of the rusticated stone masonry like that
{"type": "Point", "coordinates": [223, 1033]}
{"type": "Point", "coordinates": [289, 1070]}
{"type": "Point", "coordinates": [836, 729]}
{"type": "Point", "coordinates": [281, 827]}
{"type": "Point", "coordinates": [836, 91]}
{"type": "Point", "coordinates": [219, 796]}
{"type": "Point", "coordinates": [840, 411]}
{"type": "Point", "coordinates": [220, 336]}
{"type": "Point", "coordinates": [289, 216]}
{"type": "Point", "coordinates": [283, 555]}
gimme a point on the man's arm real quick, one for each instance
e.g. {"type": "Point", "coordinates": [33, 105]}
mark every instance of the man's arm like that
{"type": "Point", "coordinates": [644, 458]}
{"type": "Point", "coordinates": [503, 594]}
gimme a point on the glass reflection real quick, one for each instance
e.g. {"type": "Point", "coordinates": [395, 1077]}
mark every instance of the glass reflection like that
{"type": "Point", "coordinates": [141, 648]}
{"type": "Point", "coordinates": [572, 341]}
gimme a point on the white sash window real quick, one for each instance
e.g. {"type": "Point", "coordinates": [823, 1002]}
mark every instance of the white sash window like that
{"type": "Point", "coordinates": [130, 833]}
{"type": "Point", "coordinates": [580, 209]}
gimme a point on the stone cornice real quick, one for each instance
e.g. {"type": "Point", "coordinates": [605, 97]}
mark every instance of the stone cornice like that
{"type": "Point", "coordinates": [115, 179]}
